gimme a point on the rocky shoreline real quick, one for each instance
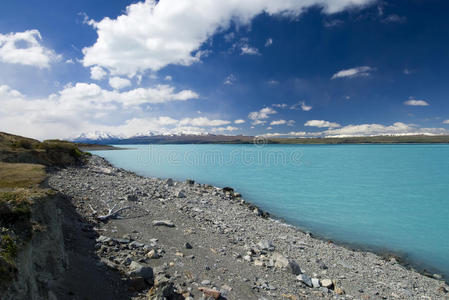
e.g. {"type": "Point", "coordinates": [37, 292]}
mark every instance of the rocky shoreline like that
{"type": "Point", "coordinates": [184, 240]}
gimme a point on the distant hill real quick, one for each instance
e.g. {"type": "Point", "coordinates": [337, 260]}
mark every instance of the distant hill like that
{"type": "Point", "coordinates": [105, 139]}
{"type": "Point", "coordinates": [170, 139]}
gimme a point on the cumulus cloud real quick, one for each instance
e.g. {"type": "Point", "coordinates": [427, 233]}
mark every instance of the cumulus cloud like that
{"type": "Point", "coordinates": [239, 121]}
{"type": "Point", "coordinates": [278, 122]}
{"type": "Point", "coordinates": [83, 107]}
{"type": "Point", "coordinates": [413, 102]}
{"type": "Point", "coordinates": [119, 83]}
{"type": "Point", "coordinates": [322, 124]}
{"type": "Point", "coordinates": [446, 121]}
{"type": "Point", "coordinates": [168, 78]}
{"type": "Point", "coordinates": [97, 73]}
{"type": "Point", "coordinates": [397, 129]}
{"type": "Point", "coordinates": [25, 48]}
{"type": "Point", "coordinates": [363, 71]}
{"type": "Point", "coordinates": [149, 36]}
{"type": "Point", "coordinates": [258, 116]}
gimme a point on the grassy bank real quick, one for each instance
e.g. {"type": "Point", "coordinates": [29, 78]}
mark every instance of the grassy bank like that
{"type": "Point", "coordinates": [23, 166]}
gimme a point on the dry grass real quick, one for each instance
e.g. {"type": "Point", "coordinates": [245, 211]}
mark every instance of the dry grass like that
{"type": "Point", "coordinates": [21, 175]}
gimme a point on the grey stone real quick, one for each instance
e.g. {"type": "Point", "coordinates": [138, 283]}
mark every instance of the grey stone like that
{"type": "Point", "coordinates": [135, 244]}
{"type": "Point", "coordinates": [293, 267]}
{"type": "Point", "coordinates": [180, 194]}
{"type": "Point", "coordinates": [132, 198]}
{"type": "Point", "coordinates": [305, 279]}
{"type": "Point", "coordinates": [169, 182]}
{"type": "Point", "coordinates": [166, 223]}
{"type": "Point", "coordinates": [280, 261]}
{"type": "Point", "coordinates": [138, 270]}
{"type": "Point", "coordinates": [103, 239]}
{"type": "Point", "coordinates": [265, 245]}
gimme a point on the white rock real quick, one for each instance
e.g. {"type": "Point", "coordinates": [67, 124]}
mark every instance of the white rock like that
{"type": "Point", "coordinates": [327, 283]}
{"type": "Point", "coordinates": [247, 258]}
{"type": "Point", "coordinates": [315, 282]}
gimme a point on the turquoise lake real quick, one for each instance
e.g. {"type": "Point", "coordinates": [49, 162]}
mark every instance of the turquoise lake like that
{"type": "Point", "coordinates": [379, 197]}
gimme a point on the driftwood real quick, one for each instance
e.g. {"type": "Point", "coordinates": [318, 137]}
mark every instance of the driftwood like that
{"type": "Point", "coordinates": [112, 213]}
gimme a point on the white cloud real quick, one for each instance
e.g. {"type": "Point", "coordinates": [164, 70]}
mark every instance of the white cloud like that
{"type": "Point", "coordinates": [202, 122]}
{"type": "Point", "coordinates": [69, 61]}
{"type": "Point", "coordinates": [322, 124]}
{"type": "Point", "coordinates": [119, 83]}
{"type": "Point", "coordinates": [97, 73]}
{"type": "Point", "coordinates": [394, 19]}
{"type": "Point", "coordinates": [301, 105]}
{"type": "Point", "coordinates": [280, 105]}
{"type": "Point", "coordinates": [6, 92]}
{"type": "Point", "coordinates": [291, 122]}
{"type": "Point", "coordinates": [289, 134]}
{"type": "Point", "coordinates": [305, 107]}
{"type": "Point", "coordinates": [83, 107]}
{"type": "Point", "coordinates": [230, 79]}
{"type": "Point", "coordinates": [223, 129]}
{"type": "Point", "coordinates": [25, 48]}
{"type": "Point", "coordinates": [333, 23]}
{"type": "Point", "coordinates": [397, 128]}
{"type": "Point", "coordinates": [363, 71]}
{"type": "Point", "coordinates": [259, 116]}
{"type": "Point", "coordinates": [258, 122]}
{"type": "Point", "coordinates": [272, 82]}
{"type": "Point", "coordinates": [148, 35]}
{"type": "Point", "coordinates": [446, 121]}
{"type": "Point", "coordinates": [168, 78]}
{"type": "Point", "coordinates": [413, 102]}
{"type": "Point", "coordinates": [278, 122]}
{"type": "Point", "coordinates": [239, 121]}
{"type": "Point", "coordinates": [247, 50]}
{"type": "Point", "coordinates": [269, 42]}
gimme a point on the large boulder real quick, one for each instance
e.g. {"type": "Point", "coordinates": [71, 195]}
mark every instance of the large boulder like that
{"type": "Point", "coordinates": [138, 270]}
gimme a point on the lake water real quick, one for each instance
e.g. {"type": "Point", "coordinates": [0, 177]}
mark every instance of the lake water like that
{"type": "Point", "coordinates": [381, 197]}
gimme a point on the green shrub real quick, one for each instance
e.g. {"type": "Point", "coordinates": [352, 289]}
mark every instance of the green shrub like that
{"type": "Point", "coordinates": [8, 248]}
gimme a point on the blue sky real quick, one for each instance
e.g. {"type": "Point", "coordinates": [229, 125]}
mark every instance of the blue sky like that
{"type": "Point", "coordinates": [282, 68]}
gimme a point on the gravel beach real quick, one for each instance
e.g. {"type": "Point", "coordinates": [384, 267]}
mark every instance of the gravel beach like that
{"type": "Point", "coordinates": [185, 240]}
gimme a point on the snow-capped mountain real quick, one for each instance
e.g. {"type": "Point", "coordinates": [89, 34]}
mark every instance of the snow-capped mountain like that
{"type": "Point", "coordinates": [149, 137]}
{"type": "Point", "coordinates": [97, 136]}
